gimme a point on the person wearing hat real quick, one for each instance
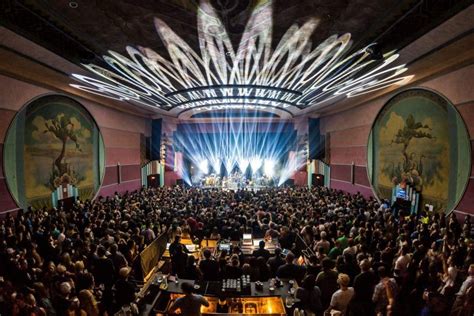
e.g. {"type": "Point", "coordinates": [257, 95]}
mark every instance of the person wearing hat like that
{"type": "Point", "coordinates": [341, 298]}
{"type": "Point", "coordinates": [190, 304]}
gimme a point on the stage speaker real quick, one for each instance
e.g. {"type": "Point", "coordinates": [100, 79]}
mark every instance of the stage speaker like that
{"type": "Point", "coordinates": [179, 182]}
{"type": "Point", "coordinates": [155, 139]}
{"type": "Point", "coordinates": [153, 180]}
{"type": "Point", "coordinates": [316, 141]}
{"type": "Point", "coordinates": [148, 148]}
{"type": "Point", "coordinates": [318, 180]}
{"type": "Point", "coordinates": [289, 183]}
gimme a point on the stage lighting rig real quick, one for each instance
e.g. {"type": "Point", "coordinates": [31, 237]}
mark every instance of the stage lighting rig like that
{"type": "Point", "coordinates": [257, 74]}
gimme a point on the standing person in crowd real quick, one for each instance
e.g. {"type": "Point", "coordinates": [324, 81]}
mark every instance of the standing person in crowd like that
{"type": "Point", "coordinates": [209, 267]}
{"type": "Point", "coordinates": [384, 293]}
{"type": "Point", "coordinates": [364, 284]}
{"type": "Point", "coordinates": [78, 249]}
{"type": "Point", "coordinates": [179, 260]}
{"type": "Point", "coordinates": [261, 251]}
{"type": "Point", "coordinates": [125, 288]}
{"type": "Point", "coordinates": [276, 261]}
{"type": "Point", "coordinates": [190, 304]}
{"type": "Point", "coordinates": [290, 270]}
{"type": "Point", "coordinates": [327, 282]}
{"type": "Point", "coordinates": [309, 296]}
{"type": "Point", "coordinates": [341, 298]}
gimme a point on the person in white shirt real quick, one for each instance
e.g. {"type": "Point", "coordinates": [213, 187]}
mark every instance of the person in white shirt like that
{"type": "Point", "coordinates": [469, 282]}
{"type": "Point", "coordinates": [450, 274]}
{"type": "Point", "coordinates": [401, 265]}
{"type": "Point", "coordinates": [351, 249]}
{"type": "Point", "coordinates": [341, 298]}
{"type": "Point", "coordinates": [324, 243]}
{"type": "Point", "coordinates": [463, 304]}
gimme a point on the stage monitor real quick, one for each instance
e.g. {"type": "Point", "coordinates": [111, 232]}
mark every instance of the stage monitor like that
{"type": "Point", "coordinates": [225, 247]}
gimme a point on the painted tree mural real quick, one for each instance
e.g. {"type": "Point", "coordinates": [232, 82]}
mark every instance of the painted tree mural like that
{"type": "Point", "coordinates": [62, 127]}
{"type": "Point", "coordinates": [411, 167]}
{"type": "Point", "coordinates": [419, 138]}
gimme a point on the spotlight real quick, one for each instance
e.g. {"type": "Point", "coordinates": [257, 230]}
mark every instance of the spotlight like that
{"type": "Point", "coordinates": [229, 165]}
{"type": "Point", "coordinates": [243, 164]}
{"type": "Point", "coordinates": [204, 166]}
{"type": "Point", "coordinates": [269, 167]}
{"type": "Point", "coordinates": [216, 165]}
{"type": "Point", "coordinates": [255, 164]}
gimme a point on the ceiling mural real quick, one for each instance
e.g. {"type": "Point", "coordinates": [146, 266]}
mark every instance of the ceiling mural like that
{"type": "Point", "coordinates": [293, 74]}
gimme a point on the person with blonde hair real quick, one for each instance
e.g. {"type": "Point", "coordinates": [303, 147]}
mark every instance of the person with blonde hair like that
{"type": "Point", "coordinates": [341, 298]}
{"type": "Point", "coordinates": [88, 303]}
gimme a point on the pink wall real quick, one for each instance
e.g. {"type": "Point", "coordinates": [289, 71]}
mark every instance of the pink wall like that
{"type": "Point", "coordinates": [121, 133]}
{"type": "Point", "coordinates": [171, 177]}
{"type": "Point", "coordinates": [349, 132]}
{"type": "Point", "coordinates": [301, 178]}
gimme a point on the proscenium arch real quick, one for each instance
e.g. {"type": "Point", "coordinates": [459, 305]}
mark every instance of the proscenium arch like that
{"type": "Point", "coordinates": [282, 113]}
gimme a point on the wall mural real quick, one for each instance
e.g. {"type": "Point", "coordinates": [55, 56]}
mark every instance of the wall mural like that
{"type": "Point", "coordinates": [53, 150]}
{"type": "Point", "coordinates": [419, 138]}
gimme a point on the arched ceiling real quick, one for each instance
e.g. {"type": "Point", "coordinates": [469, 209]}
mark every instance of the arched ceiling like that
{"type": "Point", "coordinates": [231, 34]}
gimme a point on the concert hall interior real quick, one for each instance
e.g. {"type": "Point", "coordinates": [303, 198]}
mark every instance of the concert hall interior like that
{"type": "Point", "coordinates": [267, 157]}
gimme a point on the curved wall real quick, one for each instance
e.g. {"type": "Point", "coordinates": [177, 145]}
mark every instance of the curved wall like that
{"type": "Point", "coordinates": [53, 150]}
{"type": "Point", "coordinates": [120, 131]}
{"type": "Point", "coordinates": [420, 140]}
{"type": "Point", "coordinates": [349, 132]}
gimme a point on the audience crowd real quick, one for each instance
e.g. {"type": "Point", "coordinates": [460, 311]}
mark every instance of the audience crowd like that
{"type": "Point", "coordinates": [347, 253]}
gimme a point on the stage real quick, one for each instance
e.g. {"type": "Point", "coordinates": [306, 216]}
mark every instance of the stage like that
{"type": "Point", "coordinates": [234, 182]}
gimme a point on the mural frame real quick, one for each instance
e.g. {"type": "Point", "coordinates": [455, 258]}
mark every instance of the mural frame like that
{"type": "Point", "coordinates": [23, 108]}
{"type": "Point", "coordinates": [369, 163]}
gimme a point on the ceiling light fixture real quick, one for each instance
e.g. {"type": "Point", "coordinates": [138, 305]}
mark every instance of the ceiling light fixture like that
{"type": "Point", "coordinates": [253, 76]}
{"type": "Point", "coordinates": [73, 4]}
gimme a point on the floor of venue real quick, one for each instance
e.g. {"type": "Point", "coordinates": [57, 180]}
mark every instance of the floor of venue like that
{"type": "Point", "coordinates": [58, 262]}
